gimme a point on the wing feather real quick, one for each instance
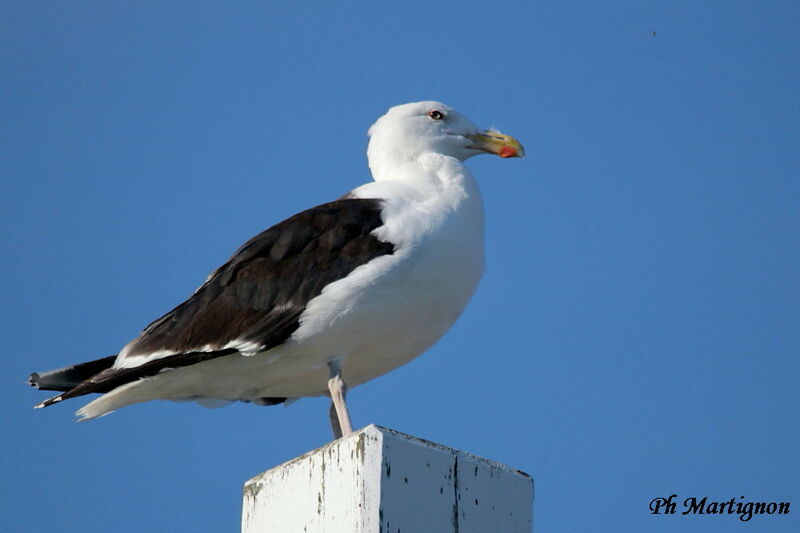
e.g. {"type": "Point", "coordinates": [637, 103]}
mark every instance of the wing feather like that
{"type": "Point", "coordinates": [258, 295]}
{"type": "Point", "coordinates": [254, 299]}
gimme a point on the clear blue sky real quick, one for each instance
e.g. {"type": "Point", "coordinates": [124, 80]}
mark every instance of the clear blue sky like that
{"type": "Point", "coordinates": [637, 330]}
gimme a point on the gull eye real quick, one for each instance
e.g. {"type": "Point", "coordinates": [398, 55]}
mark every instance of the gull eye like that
{"type": "Point", "coordinates": [435, 114]}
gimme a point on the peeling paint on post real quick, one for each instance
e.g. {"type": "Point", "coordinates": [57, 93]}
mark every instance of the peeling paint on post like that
{"type": "Point", "coordinates": [381, 481]}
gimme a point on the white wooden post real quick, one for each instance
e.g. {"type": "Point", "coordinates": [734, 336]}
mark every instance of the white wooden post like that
{"type": "Point", "coordinates": [377, 480]}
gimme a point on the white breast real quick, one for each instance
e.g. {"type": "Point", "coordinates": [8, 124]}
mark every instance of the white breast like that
{"type": "Point", "coordinates": [394, 308]}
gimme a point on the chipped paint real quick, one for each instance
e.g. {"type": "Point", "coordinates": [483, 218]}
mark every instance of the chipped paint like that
{"type": "Point", "coordinates": [381, 481]}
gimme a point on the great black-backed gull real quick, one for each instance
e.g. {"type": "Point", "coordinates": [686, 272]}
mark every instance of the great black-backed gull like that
{"type": "Point", "coordinates": [347, 290]}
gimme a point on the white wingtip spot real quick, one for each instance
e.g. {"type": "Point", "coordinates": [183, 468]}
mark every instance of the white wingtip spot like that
{"type": "Point", "coordinates": [47, 402]}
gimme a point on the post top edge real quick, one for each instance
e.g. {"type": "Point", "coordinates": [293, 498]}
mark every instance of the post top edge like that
{"type": "Point", "coordinates": [375, 431]}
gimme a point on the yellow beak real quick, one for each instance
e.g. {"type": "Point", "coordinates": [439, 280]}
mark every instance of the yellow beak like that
{"type": "Point", "coordinates": [494, 142]}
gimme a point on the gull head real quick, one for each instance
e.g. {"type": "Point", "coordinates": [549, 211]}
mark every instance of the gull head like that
{"type": "Point", "coordinates": [407, 131]}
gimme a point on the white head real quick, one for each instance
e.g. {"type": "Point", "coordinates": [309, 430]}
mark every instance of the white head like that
{"type": "Point", "coordinates": [408, 131]}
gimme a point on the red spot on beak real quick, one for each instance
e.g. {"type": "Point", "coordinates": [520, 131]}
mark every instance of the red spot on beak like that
{"type": "Point", "coordinates": [507, 151]}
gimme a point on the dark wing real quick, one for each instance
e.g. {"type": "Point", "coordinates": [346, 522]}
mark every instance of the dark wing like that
{"type": "Point", "coordinates": [70, 376]}
{"type": "Point", "coordinates": [259, 294]}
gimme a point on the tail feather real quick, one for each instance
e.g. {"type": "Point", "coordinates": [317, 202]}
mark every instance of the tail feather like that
{"type": "Point", "coordinates": [101, 376]}
{"type": "Point", "coordinates": [67, 378]}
